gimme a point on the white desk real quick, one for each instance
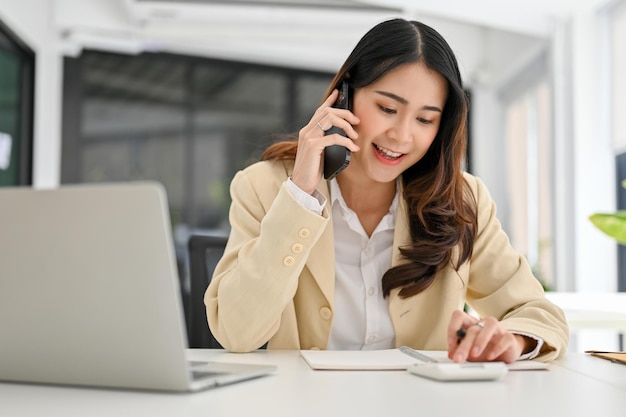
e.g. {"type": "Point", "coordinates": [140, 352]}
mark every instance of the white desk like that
{"type": "Point", "coordinates": [566, 389]}
{"type": "Point", "coordinates": [597, 368]}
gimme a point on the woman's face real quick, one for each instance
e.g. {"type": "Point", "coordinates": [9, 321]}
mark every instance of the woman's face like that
{"type": "Point", "coordinates": [400, 116]}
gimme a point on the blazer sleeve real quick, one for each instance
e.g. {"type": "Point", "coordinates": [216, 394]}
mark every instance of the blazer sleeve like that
{"type": "Point", "coordinates": [501, 282]}
{"type": "Point", "coordinates": [257, 276]}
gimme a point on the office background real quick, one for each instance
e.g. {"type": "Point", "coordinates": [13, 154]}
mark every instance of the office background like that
{"type": "Point", "coordinates": [187, 92]}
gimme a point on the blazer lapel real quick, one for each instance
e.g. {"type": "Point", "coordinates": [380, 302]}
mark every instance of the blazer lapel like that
{"type": "Point", "coordinates": [401, 233]}
{"type": "Point", "coordinates": [398, 307]}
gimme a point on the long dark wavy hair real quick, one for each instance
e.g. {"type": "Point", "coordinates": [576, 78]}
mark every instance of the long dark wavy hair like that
{"type": "Point", "coordinates": [442, 211]}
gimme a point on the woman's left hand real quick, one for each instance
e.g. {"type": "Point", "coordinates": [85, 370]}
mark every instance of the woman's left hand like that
{"type": "Point", "coordinates": [482, 340]}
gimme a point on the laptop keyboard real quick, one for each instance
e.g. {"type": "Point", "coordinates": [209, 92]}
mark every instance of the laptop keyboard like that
{"type": "Point", "coordinates": [195, 364]}
{"type": "Point", "coordinates": [204, 374]}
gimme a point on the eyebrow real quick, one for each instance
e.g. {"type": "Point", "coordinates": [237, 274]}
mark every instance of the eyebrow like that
{"type": "Point", "coordinates": [404, 101]}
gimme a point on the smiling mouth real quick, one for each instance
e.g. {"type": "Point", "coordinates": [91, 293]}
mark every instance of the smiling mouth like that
{"type": "Point", "coordinates": [387, 154]}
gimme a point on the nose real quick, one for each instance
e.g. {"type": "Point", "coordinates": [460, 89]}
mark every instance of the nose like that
{"type": "Point", "coordinates": [401, 130]}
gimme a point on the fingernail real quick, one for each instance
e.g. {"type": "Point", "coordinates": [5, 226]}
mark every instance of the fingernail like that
{"type": "Point", "coordinates": [475, 351]}
{"type": "Point", "coordinates": [459, 358]}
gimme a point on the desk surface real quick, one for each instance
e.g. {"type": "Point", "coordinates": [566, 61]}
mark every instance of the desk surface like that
{"type": "Point", "coordinates": [577, 385]}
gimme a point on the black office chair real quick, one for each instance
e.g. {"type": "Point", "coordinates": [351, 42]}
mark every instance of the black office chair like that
{"type": "Point", "coordinates": [204, 253]}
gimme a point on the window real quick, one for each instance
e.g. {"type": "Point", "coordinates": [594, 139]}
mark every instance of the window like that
{"type": "Point", "coordinates": [16, 109]}
{"type": "Point", "coordinates": [188, 122]}
{"type": "Point", "coordinates": [528, 142]}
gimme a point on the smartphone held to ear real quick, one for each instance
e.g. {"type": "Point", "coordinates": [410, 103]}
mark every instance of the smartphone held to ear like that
{"type": "Point", "coordinates": [337, 157]}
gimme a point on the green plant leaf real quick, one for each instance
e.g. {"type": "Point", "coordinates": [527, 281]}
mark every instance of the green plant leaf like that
{"type": "Point", "coordinates": [611, 224]}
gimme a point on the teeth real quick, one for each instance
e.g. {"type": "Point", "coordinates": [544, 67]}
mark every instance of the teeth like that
{"type": "Point", "coordinates": [388, 153]}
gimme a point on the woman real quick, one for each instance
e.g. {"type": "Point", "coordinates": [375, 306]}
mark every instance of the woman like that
{"type": "Point", "coordinates": [388, 252]}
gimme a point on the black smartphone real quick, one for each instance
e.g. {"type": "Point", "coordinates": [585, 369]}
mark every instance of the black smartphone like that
{"type": "Point", "coordinates": [337, 157]}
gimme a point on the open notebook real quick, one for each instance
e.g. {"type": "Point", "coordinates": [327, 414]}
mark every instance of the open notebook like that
{"type": "Point", "coordinates": [90, 293]}
{"type": "Point", "coordinates": [388, 359]}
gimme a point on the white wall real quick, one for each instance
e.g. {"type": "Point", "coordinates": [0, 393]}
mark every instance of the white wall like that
{"type": "Point", "coordinates": [618, 96]}
{"type": "Point", "coordinates": [594, 165]}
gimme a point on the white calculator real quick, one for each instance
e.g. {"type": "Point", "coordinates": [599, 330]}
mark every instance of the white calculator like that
{"type": "Point", "coordinates": [467, 371]}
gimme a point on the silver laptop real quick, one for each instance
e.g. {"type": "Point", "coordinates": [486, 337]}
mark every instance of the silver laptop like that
{"type": "Point", "coordinates": [90, 293]}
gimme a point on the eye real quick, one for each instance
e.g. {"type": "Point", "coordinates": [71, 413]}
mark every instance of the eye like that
{"type": "Point", "coordinates": [424, 121]}
{"type": "Point", "coordinates": [386, 110]}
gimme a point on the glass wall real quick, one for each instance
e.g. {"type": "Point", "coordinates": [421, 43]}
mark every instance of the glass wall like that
{"type": "Point", "coordinates": [16, 109]}
{"type": "Point", "coordinates": [187, 122]}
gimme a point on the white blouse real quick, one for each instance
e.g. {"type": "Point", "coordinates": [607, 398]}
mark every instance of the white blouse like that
{"type": "Point", "coordinates": [361, 318]}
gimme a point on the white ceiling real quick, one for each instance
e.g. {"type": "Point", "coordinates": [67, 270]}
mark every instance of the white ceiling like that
{"type": "Point", "coordinates": [524, 16]}
{"type": "Point", "coordinates": [489, 36]}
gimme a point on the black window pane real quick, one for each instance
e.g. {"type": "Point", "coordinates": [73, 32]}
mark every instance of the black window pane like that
{"type": "Point", "coordinates": [9, 116]}
{"type": "Point", "coordinates": [187, 122]}
{"type": "Point", "coordinates": [16, 109]}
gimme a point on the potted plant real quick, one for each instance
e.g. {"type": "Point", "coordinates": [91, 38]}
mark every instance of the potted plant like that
{"type": "Point", "coordinates": [612, 224]}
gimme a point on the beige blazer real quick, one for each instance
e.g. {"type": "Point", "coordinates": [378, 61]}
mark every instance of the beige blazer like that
{"type": "Point", "coordinates": [276, 279]}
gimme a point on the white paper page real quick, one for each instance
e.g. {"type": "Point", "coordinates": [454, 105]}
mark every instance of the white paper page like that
{"type": "Point", "coordinates": [387, 359]}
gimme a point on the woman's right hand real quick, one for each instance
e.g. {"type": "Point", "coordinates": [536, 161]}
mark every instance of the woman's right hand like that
{"type": "Point", "coordinates": [312, 140]}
